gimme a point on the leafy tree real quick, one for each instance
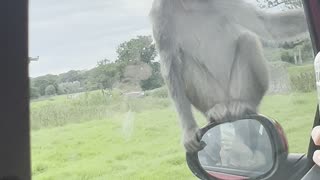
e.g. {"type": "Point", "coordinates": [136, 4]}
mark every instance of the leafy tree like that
{"type": "Point", "coordinates": [43, 82]}
{"type": "Point", "coordinates": [148, 53]}
{"type": "Point", "coordinates": [307, 50]}
{"type": "Point", "coordinates": [34, 93]}
{"type": "Point", "coordinates": [134, 51]}
{"type": "Point", "coordinates": [50, 90]}
{"type": "Point", "coordinates": [69, 87]}
{"type": "Point", "coordinates": [104, 75]}
{"type": "Point", "coordinates": [287, 57]}
{"type": "Point", "coordinates": [137, 49]}
{"type": "Point", "coordinates": [103, 62]}
{"type": "Point", "coordinates": [304, 47]}
{"type": "Point", "coordinates": [155, 80]}
{"type": "Point", "coordinates": [71, 76]}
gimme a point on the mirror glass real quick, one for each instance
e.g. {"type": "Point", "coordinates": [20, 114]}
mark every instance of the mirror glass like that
{"type": "Point", "coordinates": [237, 150]}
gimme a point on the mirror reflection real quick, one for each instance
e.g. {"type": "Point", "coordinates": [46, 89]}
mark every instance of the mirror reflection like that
{"type": "Point", "coordinates": [241, 148]}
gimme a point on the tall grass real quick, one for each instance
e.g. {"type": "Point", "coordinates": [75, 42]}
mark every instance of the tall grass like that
{"type": "Point", "coordinates": [62, 110]}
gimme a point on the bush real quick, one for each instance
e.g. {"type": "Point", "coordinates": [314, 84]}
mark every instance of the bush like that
{"type": "Point", "coordinates": [69, 87]}
{"type": "Point", "coordinates": [286, 57]}
{"type": "Point", "coordinates": [158, 93]}
{"type": "Point", "coordinates": [34, 93]}
{"type": "Point", "coordinates": [50, 90]}
{"type": "Point", "coordinates": [155, 81]}
{"type": "Point", "coordinates": [303, 82]}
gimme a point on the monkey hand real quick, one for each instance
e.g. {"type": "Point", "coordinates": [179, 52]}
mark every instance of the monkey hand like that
{"type": "Point", "coordinates": [191, 140]}
{"type": "Point", "coordinates": [217, 113]}
{"type": "Point", "coordinates": [240, 108]}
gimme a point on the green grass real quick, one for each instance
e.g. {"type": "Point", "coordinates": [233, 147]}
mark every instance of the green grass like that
{"type": "Point", "coordinates": [141, 147]}
{"type": "Point", "coordinates": [97, 137]}
{"type": "Point", "coordinates": [295, 70]}
{"type": "Point", "coordinates": [295, 112]}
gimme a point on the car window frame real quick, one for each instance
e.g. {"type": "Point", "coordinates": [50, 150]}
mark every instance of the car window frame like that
{"type": "Point", "coordinates": [14, 104]}
{"type": "Point", "coordinates": [15, 161]}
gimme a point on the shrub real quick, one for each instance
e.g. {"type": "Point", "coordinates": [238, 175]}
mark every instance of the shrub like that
{"type": "Point", "coordinates": [286, 57]}
{"type": "Point", "coordinates": [50, 90]}
{"type": "Point", "coordinates": [158, 93]}
{"type": "Point", "coordinates": [303, 82]}
{"type": "Point", "coordinates": [34, 93]}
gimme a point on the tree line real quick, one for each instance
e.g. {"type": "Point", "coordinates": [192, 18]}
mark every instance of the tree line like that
{"type": "Point", "coordinates": [135, 64]}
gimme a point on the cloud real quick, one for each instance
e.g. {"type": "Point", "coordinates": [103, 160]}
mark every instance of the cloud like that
{"type": "Point", "coordinates": [75, 34]}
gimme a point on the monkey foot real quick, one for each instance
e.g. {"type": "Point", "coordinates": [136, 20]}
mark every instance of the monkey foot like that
{"type": "Point", "coordinates": [217, 113]}
{"type": "Point", "coordinates": [238, 109]}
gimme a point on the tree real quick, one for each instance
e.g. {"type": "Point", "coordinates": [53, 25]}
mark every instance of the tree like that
{"type": "Point", "coordinates": [137, 49]}
{"type": "Point", "coordinates": [104, 75]}
{"type": "Point", "coordinates": [307, 50]}
{"type": "Point", "coordinates": [287, 57]}
{"type": "Point", "coordinates": [69, 87]}
{"type": "Point", "coordinates": [300, 53]}
{"type": "Point", "coordinates": [148, 53]}
{"type": "Point", "coordinates": [71, 76]}
{"type": "Point", "coordinates": [155, 80]}
{"type": "Point", "coordinates": [137, 54]}
{"type": "Point", "coordinates": [289, 4]}
{"type": "Point", "coordinates": [34, 93]}
{"type": "Point", "coordinates": [43, 82]}
{"type": "Point", "coordinates": [50, 90]}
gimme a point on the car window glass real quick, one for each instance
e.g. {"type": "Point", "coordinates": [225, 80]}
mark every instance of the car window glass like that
{"type": "Point", "coordinates": [100, 108]}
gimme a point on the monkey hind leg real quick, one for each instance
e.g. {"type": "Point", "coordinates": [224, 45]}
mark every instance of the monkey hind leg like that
{"type": "Point", "coordinates": [249, 76]}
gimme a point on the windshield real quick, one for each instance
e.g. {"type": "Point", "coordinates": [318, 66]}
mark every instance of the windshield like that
{"type": "Point", "coordinates": [105, 104]}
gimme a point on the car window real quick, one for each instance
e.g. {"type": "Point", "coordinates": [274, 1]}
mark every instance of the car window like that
{"type": "Point", "coordinates": [100, 108]}
{"type": "Point", "coordinates": [291, 98]}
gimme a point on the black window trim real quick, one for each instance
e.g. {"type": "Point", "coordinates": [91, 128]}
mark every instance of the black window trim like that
{"type": "Point", "coordinates": [14, 82]}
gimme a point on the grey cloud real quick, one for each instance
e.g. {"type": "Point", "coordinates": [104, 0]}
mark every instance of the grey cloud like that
{"type": "Point", "coordinates": [75, 34]}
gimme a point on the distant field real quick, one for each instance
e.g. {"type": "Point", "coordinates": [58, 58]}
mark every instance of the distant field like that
{"type": "Point", "coordinates": [296, 70]}
{"type": "Point", "coordinates": [97, 137]}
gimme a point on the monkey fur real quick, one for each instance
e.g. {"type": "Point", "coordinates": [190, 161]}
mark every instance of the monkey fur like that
{"type": "Point", "coordinates": [211, 56]}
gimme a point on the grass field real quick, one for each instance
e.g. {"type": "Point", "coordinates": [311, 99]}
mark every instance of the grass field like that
{"type": "Point", "coordinates": [102, 137]}
{"type": "Point", "coordinates": [296, 70]}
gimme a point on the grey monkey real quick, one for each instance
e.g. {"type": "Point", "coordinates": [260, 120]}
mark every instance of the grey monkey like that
{"type": "Point", "coordinates": [211, 56]}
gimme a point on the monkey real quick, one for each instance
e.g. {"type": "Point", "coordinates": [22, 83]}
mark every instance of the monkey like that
{"type": "Point", "coordinates": [211, 56]}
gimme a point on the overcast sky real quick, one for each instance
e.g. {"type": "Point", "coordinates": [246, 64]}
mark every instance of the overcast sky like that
{"type": "Point", "coordinates": [75, 34]}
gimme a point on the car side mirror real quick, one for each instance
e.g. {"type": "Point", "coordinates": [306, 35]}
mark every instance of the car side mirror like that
{"type": "Point", "coordinates": [251, 147]}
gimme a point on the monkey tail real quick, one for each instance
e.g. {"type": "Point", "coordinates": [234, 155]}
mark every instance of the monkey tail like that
{"type": "Point", "coordinates": [288, 26]}
{"type": "Point", "coordinates": [280, 27]}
